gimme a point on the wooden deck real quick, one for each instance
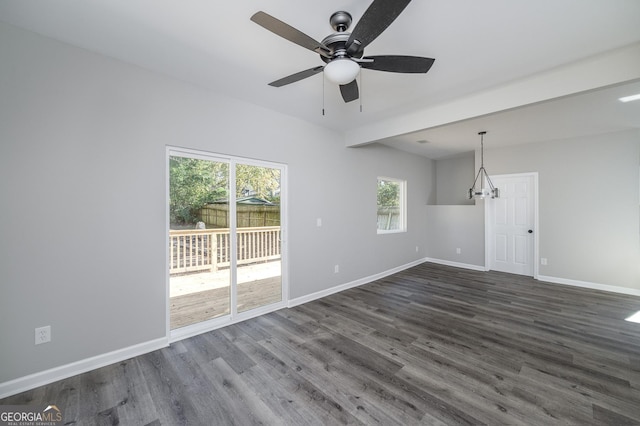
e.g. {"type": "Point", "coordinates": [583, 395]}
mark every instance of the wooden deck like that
{"type": "Point", "coordinates": [199, 297]}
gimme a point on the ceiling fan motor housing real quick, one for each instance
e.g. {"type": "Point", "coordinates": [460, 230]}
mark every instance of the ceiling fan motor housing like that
{"type": "Point", "coordinates": [336, 42]}
{"type": "Point", "coordinates": [340, 22]}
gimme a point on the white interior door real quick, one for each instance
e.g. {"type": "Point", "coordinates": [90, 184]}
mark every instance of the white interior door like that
{"type": "Point", "coordinates": [512, 219]}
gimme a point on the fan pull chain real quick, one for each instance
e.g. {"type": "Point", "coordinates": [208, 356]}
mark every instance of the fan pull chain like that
{"type": "Point", "coordinates": [361, 91]}
{"type": "Point", "coordinates": [323, 94]}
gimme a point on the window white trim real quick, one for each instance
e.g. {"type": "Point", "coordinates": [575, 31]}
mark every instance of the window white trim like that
{"type": "Point", "coordinates": [402, 218]}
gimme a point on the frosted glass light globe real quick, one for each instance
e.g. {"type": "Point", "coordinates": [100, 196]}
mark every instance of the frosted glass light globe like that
{"type": "Point", "coordinates": [341, 71]}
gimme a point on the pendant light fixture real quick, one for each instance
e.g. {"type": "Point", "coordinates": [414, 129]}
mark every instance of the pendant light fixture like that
{"type": "Point", "coordinates": [483, 192]}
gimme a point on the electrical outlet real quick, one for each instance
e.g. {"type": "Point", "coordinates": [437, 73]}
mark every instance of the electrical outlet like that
{"type": "Point", "coordinates": [43, 334]}
{"type": "Point", "coordinates": [458, 250]}
{"type": "Point", "coordinates": [319, 222]}
{"type": "Point", "coordinates": [417, 249]}
{"type": "Point", "coordinates": [336, 269]}
{"type": "Point", "coordinates": [543, 260]}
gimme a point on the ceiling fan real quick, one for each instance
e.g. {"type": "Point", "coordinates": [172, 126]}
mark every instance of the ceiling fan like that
{"type": "Point", "coordinates": [343, 52]}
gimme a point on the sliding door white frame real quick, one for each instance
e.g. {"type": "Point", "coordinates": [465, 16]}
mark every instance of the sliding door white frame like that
{"type": "Point", "coordinates": [234, 316]}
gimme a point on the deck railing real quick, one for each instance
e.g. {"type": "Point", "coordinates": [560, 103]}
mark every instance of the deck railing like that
{"type": "Point", "coordinates": [210, 249]}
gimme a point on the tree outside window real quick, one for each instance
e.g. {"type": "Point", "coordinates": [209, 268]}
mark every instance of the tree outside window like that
{"type": "Point", "coordinates": [391, 205]}
{"type": "Point", "coordinates": [195, 182]}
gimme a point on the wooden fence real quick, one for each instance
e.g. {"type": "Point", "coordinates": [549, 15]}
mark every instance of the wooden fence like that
{"type": "Point", "coordinates": [247, 215]}
{"type": "Point", "coordinates": [388, 218]}
{"type": "Point", "coordinates": [193, 250]}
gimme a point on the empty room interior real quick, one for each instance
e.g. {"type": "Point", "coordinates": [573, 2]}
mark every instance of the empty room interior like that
{"type": "Point", "coordinates": [345, 212]}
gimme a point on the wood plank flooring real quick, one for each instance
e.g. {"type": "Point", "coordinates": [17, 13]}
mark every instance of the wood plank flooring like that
{"type": "Point", "coordinates": [431, 345]}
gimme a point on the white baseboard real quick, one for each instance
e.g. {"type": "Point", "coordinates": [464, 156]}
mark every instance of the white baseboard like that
{"type": "Point", "coordinates": [42, 378]}
{"type": "Point", "coordinates": [457, 264]}
{"type": "Point", "coordinates": [342, 287]}
{"type": "Point", "coordinates": [593, 286]}
{"type": "Point", "coordinates": [554, 280]}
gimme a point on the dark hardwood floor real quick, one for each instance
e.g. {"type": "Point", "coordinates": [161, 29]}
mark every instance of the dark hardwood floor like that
{"type": "Point", "coordinates": [430, 345]}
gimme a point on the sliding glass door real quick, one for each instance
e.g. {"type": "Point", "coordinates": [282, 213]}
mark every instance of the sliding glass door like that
{"type": "Point", "coordinates": [259, 265]}
{"type": "Point", "coordinates": [225, 246]}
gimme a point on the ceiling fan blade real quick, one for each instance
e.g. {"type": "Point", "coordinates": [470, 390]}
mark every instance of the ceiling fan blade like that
{"type": "Point", "coordinates": [398, 63]}
{"type": "Point", "coordinates": [286, 31]}
{"type": "Point", "coordinates": [376, 19]}
{"type": "Point", "coordinates": [296, 77]}
{"type": "Point", "coordinates": [349, 91]}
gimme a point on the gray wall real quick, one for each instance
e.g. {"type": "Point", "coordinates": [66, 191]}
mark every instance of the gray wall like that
{"type": "Point", "coordinates": [588, 209]}
{"type": "Point", "coordinates": [454, 177]}
{"type": "Point", "coordinates": [453, 227]}
{"type": "Point", "coordinates": [82, 183]}
{"type": "Point", "coordinates": [588, 204]}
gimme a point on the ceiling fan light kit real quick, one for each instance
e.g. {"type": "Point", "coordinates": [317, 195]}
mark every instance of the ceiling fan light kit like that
{"type": "Point", "coordinates": [343, 51]}
{"type": "Point", "coordinates": [341, 71]}
{"type": "Point", "coordinates": [483, 192]}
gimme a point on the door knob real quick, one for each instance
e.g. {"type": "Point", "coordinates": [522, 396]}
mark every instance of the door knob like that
{"type": "Point", "coordinates": [530, 231]}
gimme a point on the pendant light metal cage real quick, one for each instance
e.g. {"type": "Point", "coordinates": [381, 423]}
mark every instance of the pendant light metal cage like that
{"type": "Point", "coordinates": [483, 192]}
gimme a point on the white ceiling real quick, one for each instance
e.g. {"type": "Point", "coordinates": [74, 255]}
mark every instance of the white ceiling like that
{"type": "Point", "coordinates": [594, 112]}
{"type": "Point", "coordinates": [477, 45]}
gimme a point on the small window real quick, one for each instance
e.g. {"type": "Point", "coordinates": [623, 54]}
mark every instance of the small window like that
{"type": "Point", "coordinates": [392, 205]}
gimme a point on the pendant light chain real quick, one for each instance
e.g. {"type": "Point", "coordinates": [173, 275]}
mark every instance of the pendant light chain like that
{"type": "Point", "coordinates": [482, 150]}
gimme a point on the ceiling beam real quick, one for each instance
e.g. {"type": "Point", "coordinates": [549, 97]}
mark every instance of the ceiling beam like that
{"type": "Point", "coordinates": [614, 67]}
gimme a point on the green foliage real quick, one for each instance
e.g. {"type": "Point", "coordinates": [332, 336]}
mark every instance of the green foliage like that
{"type": "Point", "coordinates": [262, 182]}
{"type": "Point", "coordinates": [388, 193]}
{"type": "Point", "coordinates": [194, 183]}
